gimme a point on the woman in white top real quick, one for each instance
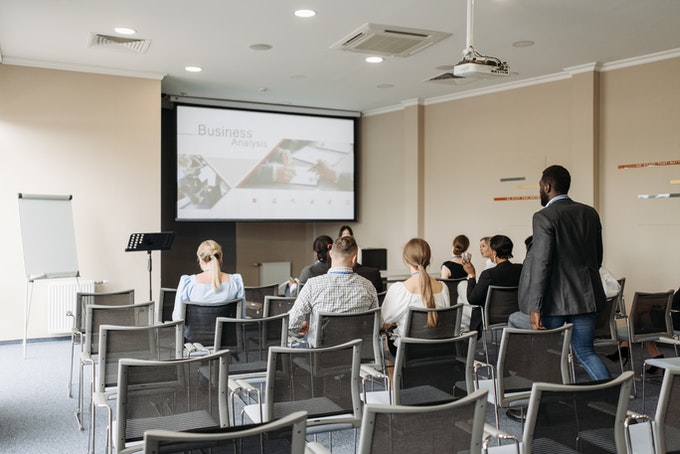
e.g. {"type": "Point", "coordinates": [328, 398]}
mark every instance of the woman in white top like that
{"type": "Point", "coordinates": [210, 286]}
{"type": "Point", "coordinates": [418, 290]}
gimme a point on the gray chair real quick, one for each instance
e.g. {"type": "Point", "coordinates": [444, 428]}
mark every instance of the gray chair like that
{"type": "Point", "coordinates": [661, 434]}
{"type": "Point", "coordinates": [500, 302]}
{"type": "Point", "coordinates": [456, 426]}
{"type": "Point", "coordinates": [415, 324]}
{"type": "Point", "coordinates": [166, 304]}
{"type": "Point", "coordinates": [200, 318]}
{"type": "Point", "coordinates": [254, 299]}
{"type": "Point", "coordinates": [605, 328]}
{"type": "Point", "coordinates": [275, 305]}
{"type": "Point", "coordinates": [185, 394]}
{"type": "Point", "coordinates": [154, 342]}
{"type": "Point", "coordinates": [452, 285]}
{"type": "Point", "coordinates": [322, 381]}
{"type": "Point", "coordinates": [430, 371]}
{"type": "Point", "coordinates": [524, 358]}
{"type": "Point", "coordinates": [141, 314]}
{"type": "Point", "coordinates": [122, 298]}
{"type": "Point", "coordinates": [649, 320]}
{"type": "Point", "coordinates": [283, 436]}
{"type": "Point", "coordinates": [568, 419]}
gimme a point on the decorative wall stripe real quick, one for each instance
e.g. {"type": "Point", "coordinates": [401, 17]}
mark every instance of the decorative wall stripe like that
{"type": "Point", "coordinates": [641, 165]}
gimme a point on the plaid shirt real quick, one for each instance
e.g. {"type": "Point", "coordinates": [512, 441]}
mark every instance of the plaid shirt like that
{"type": "Point", "coordinates": [340, 290]}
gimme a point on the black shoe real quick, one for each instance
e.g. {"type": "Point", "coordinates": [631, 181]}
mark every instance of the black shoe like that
{"type": "Point", "coordinates": [516, 414]}
{"type": "Point", "coordinates": [614, 357]}
{"type": "Point", "coordinates": [653, 369]}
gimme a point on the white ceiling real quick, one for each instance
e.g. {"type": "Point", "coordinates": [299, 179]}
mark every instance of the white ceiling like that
{"type": "Point", "coordinates": [301, 68]}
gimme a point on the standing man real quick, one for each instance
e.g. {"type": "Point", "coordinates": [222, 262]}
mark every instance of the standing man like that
{"type": "Point", "coordinates": [339, 290]}
{"type": "Point", "coordinates": [560, 281]}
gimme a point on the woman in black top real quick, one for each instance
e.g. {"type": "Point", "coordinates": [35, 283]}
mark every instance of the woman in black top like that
{"type": "Point", "coordinates": [453, 269]}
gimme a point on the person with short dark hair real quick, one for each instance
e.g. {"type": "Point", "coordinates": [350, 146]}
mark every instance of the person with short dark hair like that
{"type": "Point", "coordinates": [505, 273]}
{"type": "Point", "coordinates": [339, 290]}
{"type": "Point", "coordinates": [560, 281]}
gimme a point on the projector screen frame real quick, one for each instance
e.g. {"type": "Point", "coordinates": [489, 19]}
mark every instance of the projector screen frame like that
{"type": "Point", "coordinates": [330, 189]}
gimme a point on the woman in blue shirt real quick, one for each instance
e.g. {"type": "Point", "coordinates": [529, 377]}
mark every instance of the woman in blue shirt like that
{"type": "Point", "coordinates": [210, 286]}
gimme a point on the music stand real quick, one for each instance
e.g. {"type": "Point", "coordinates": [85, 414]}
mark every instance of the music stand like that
{"type": "Point", "coordinates": [150, 242]}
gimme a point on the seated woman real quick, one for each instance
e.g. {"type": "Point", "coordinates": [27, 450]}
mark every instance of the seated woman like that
{"type": "Point", "coordinates": [322, 246]}
{"type": "Point", "coordinates": [210, 286]}
{"type": "Point", "coordinates": [418, 290]}
{"type": "Point", "coordinates": [503, 273]}
{"type": "Point", "coordinates": [453, 268]}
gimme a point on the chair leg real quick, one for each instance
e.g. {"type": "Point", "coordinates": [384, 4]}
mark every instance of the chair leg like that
{"type": "Point", "coordinates": [70, 370]}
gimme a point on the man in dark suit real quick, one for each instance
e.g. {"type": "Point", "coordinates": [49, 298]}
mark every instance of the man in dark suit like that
{"type": "Point", "coordinates": [560, 281]}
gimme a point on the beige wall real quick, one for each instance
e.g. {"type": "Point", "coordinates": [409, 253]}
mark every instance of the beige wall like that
{"type": "Point", "coordinates": [95, 137]}
{"type": "Point", "coordinates": [590, 123]}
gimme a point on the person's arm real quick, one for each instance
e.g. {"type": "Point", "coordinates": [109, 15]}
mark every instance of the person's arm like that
{"type": "Point", "coordinates": [445, 272]}
{"type": "Point", "coordinates": [299, 311]}
{"type": "Point", "coordinates": [181, 295]}
{"type": "Point", "coordinates": [393, 307]}
{"type": "Point", "coordinates": [477, 290]}
{"type": "Point", "coordinates": [542, 249]}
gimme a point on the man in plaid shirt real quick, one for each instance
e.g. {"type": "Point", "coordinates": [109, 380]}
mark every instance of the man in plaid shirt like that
{"type": "Point", "coordinates": [340, 290]}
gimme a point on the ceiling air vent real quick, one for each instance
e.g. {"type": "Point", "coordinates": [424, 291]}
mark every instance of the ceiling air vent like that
{"type": "Point", "coordinates": [138, 46]}
{"type": "Point", "coordinates": [388, 40]}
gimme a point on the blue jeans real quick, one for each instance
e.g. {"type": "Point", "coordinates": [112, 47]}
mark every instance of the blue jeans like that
{"type": "Point", "coordinates": [581, 341]}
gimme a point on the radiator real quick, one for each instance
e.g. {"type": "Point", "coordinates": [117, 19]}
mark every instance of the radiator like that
{"type": "Point", "coordinates": [61, 298]}
{"type": "Point", "coordinates": [274, 272]}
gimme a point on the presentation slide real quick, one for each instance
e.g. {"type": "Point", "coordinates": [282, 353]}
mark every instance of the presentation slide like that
{"type": "Point", "coordinates": [247, 165]}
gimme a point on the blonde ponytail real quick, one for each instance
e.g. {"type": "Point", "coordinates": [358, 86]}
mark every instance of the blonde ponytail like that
{"type": "Point", "coordinates": [210, 253]}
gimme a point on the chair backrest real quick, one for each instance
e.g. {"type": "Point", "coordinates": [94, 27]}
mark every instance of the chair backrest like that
{"type": "Point", "coordinates": [254, 297]}
{"type": "Point", "coordinates": [433, 371]}
{"type": "Point", "coordinates": [122, 298]}
{"type": "Point", "coordinates": [275, 305]}
{"type": "Point", "coordinates": [452, 285]}
{"type": "Point", "coordinates": [200, 318]}
{"type": "Point", "coordinates": [448, 324]}
{"type": "Point", "coordinates": [248, 340]}
{"type": "Point", "coordinates": [141, 314]}
{"type": "Point", "coordinates": [166, 304]}
{"type": "Point", "coordinates": [456, 426]}
{"type": "Point", "coordinates": [154, 342]}
{"type": "Point", "coordinates": [336, 328]}
{"type": "Point", "coordinates": [650, 316]}
{"type": "Point", "coordinates": [283, 436]}
{"type": "Point", "coordinates": [381, 297]}
{"type": "Point", "coordinates": [500, 303]}
{"type": "Point", "coordinates": [605, 326]}
{"type": "Point", "coordinates": [578, 418]}
{"type": "Point", "coordinates": [183, 394]}
{"type": "Point", "coordinates": [322, 381]}
{"type": "Point", "coordinates": [668, 412]}
{"type": "Point", "coordinates": [620, 301]}
{"type": "Point", "coordinates": [529, 356]}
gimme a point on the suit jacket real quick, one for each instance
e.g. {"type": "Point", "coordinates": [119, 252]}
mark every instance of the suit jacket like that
{"type": "Point", "coordinates": [505, 273]}
{"type": "Point", "coordinates": [561, 271]}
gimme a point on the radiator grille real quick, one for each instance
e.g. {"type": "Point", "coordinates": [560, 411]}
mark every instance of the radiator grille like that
{"type": "Point", "coordinates": [61, 298]}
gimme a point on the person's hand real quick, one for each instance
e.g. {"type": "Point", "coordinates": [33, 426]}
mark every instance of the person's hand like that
{"type": "Point", "coordinates": [324, 171]}
{"type": "Point", "coordinates": [283, 174]}
{"type": "Point", "coordinates": [469, 268]}
{"type": "Point", "coordinates": [535, 320]}
{"type": "Point", "coordinates": [303, 329]}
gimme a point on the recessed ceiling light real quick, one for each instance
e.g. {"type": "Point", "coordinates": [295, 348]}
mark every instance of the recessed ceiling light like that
{"type": "Point", "coordinates": [374, 59]}
{"type": "Point", "coordinates": [305, 13]}
{"type": "Point", "coordinates": [524, 43]}
{"type": "Point", "coordinates": [125, 30]}
{"type": "Point", "coordinates": [193, 69]}
{"type": "Point", "coordinates": [260, 46]}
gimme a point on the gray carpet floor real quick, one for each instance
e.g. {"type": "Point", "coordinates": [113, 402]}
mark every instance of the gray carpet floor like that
{"type": "Point", "coordinates": [37, 416]}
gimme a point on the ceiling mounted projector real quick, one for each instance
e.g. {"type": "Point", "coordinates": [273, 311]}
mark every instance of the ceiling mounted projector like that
{"type": "Point", "coordinates": [474, 64]}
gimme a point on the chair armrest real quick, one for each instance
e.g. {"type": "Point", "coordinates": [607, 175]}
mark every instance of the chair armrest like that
{"type": "Point", "coordinates": [315, 447]}
{"type": "Point", "coordinates": [642, 440]}
{"type": "Point", "coordinates": [491, 432]}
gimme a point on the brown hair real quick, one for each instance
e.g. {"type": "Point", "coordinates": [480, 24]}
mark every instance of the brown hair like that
{"type": "Point", "coordinates": [210, 253]}
{"type": "Point", "coordinates": [417, 253]}
{"type": "Point", "coordinates": [461, 243]}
